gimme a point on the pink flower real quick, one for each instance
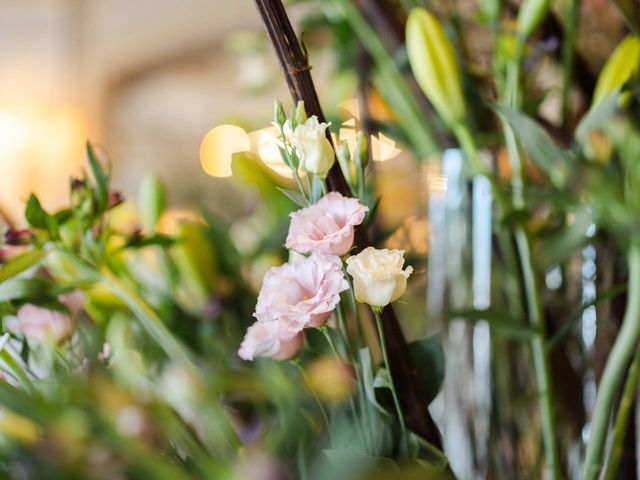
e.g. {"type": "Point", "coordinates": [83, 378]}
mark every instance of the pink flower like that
{"type": "Point", "coordinates": [270, 339]}
{"type": "Point", "coordinates": [327, 226]}
{"type": "Point", "coordinates": [43, 324]}
{"type": "Point", "coordinates": [301, 294]}
{"type": "Point", "coordinates": [73, 300]}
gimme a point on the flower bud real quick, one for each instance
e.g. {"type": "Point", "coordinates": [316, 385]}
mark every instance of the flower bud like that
{"type": "Point", "coordinates": [299, 114]}
{"type": "Point", "coordinates": [378, 277]}
{"type": "Point", "coordinates": [434, 65]}
{"type": "Point", "coordinates": [344, 159]}
{"type": "Point", "coordinates": [361, 153]}
{"type": "Point", "coordinates": [620, 67]}
{"type": "Point", "coordinates": [313, 148]}
{"type": "Point", "coordinates": [152, 201]}
{"type": "Point", "coordinates": [278, 113]}
{"type": "Point", "coordinates": [17, 238]}
{"type": "Point", "coordinates": [530, 15]}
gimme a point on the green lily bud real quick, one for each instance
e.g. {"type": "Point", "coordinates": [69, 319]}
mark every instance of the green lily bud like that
{"type": "Point", "coordinates": [278, 113]}
{"type": "Point", "coordinates": [621, 66]}
{"type": "Point", "coordinates": [434, 65]}
{"type": "Point", "coordinates": [530, 15]}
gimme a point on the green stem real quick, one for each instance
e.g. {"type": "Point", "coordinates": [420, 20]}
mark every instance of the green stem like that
{"type": "Point", "coordinates": [540, 352]}
{"type": "Point", "coordinates": [568, 44]}
{"type": "Point", "coordinates": [621, 352]}
{"type": "Point", "coordinates": [354, 411]}
{"type": "Point", "coordinates": [351, 352]}
{"type": "Point", "coordinates": [313, 392]}
{"type": "Point", "coordinates": [385, 357]}
{"type": "Point", "coordinates": [622, 418]}
{"type": "Point", "coordinates": [533, 301]}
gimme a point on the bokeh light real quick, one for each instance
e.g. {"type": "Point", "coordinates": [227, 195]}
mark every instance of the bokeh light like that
{"type": "Point", "coordinates": [218, 146]}
{"type": "Point", "coordinates": [41, 145]}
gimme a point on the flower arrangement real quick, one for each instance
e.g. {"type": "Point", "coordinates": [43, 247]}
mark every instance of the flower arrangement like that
{"type": "Point", "coordinates": [135, 345]}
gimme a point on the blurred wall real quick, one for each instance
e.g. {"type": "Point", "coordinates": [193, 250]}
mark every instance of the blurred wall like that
{"type": "Point", "coordinates": [145, 78]}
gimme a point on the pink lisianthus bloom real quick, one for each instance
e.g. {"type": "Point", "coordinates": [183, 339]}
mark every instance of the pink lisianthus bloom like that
{"type": "Point", "coordinates": [43, 324]}
{"type": "Point", "coordinates": [302, 294]}
{"type": "Point", "coordinates": [326, 227]}
{"type": "Point", "coordinates": [270, 339]}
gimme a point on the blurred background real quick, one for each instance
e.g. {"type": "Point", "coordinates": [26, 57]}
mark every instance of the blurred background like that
{"type": "Point", "coordinates": [147, 81]}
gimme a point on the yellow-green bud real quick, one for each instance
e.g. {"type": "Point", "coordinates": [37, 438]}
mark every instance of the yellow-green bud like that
{"type": "Point", "coordinates": [621, 66]}
{"type": "Point", "coordinates": [434, 65]}
{"type": "Point", "coordinates": [299, 114]}
{"type": "Point", "coordinates": [278, 113]}
{"type": "Point", "coordinates": [530, 15]}
{"type": "Point", "coordinates": [151, 199]}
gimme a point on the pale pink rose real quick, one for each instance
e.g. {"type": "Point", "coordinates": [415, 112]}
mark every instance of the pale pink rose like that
{"type": "Point", "coordinates": [270, 339]}
{"type": "Point", "coordinates": [327, 226]}
{"type": "Point", "coordinates": [302, 294]}
{"type": "Point", "coordinates": [43, 324]}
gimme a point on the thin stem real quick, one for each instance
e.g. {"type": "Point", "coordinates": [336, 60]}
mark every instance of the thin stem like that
{"type": "Point", "coordinates": [308, 179]}
{"type": "Point", "coordinates": [568, 44]}
{"type": "Point", "coordinates": [540, 352]}
{"type": "Point", "coordinates": [351, 352]}
{"type": "Point", "coordinates": [533, 301]}
{"type": "Point", "coordinates": [313, 392]}
{"type": "Point", "coordinates": [622, 418]}
{"type": "Point", "coordinates": [621, 353]}
{"type": "Point", "coordinates": [354, 411]}
{"type": "Point", "coordinates": [396, 401]}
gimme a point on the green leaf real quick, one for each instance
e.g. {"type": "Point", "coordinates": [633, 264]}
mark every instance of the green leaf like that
{"type": "Point", "coordinates": [562, 244]}
{"type": "Point", "coordinates": [563, 332]}
{"type": "Point", "coordinates": [295, 197]}
{"type": "Point", "coordinates": [158, 240]}
{"type": "Point", "coordinates": [20, 263]}
{"type": "Point", "coordinates": [368, 378]}
{"type": "Point", "coordinates": [20, 288]}
{"type": "Point", "coordinates": [501, 323]}
{"type": "Point", "coordinates": [548, 156]}
{"type": "Point", "coordinates": [14, 366]}
{"type": "Point", "coordinates": [100, 177]}
{"type": "Point", "coordinates": [598, 117]}
{"type": "Point", "coordinates": [428, 357]}
{"type": "Point", "coordinates": [433, 462]}
{"type": "Point", "coordinates": [630, 12]}
{"type": "Point", "coordinates": [37, 217]}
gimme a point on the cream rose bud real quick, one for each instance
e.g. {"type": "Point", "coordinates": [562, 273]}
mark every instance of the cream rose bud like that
{"type": "Point", "coordinates": [378, 277]}
{"type": "Point", "coordinates": [314, 150]}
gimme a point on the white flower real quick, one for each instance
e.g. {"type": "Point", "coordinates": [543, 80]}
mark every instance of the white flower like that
{"type": "Point", "coordinates": [314, 150]}
{"type": "Point", "coordinates": [378, 278]}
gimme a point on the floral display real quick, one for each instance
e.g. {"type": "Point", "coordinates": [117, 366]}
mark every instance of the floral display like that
{"type": "Point", "coordinates": [428, 267]}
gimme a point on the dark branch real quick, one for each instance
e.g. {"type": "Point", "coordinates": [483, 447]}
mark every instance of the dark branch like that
{"type": "Point", "coordinates": [296, 69]}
